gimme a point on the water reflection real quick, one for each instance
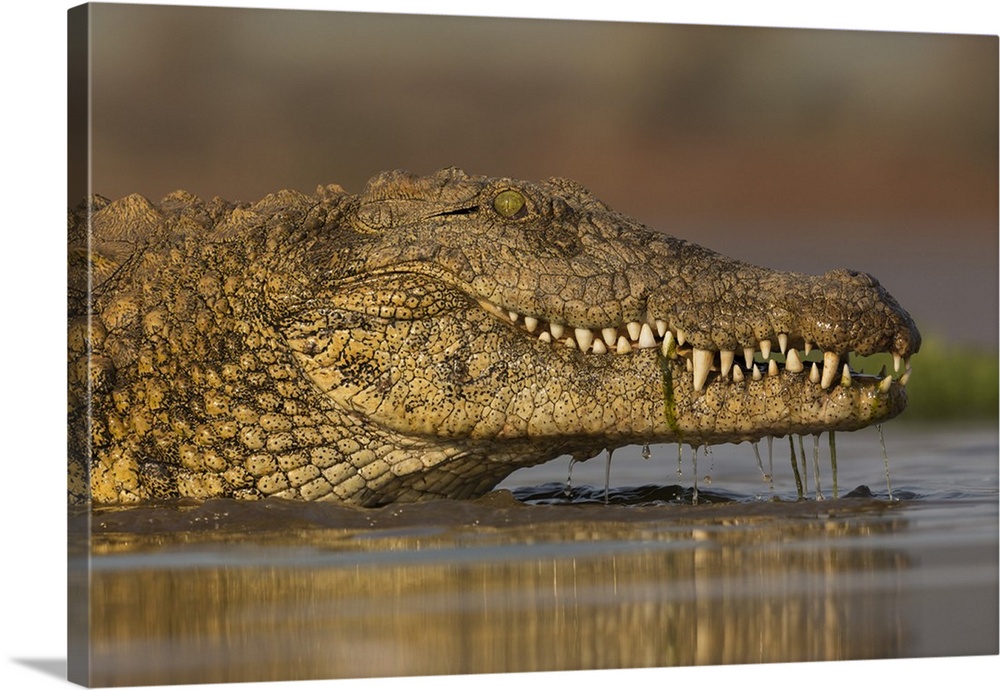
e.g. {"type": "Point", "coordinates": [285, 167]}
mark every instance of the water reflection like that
{"type": "Point", "coordinates": [248, 593]}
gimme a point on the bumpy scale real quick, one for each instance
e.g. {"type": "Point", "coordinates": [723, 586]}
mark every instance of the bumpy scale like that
{"type": "Point", "coordinates": [431, 335]}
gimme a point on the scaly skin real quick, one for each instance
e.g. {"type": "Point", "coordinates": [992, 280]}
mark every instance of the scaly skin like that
{"type": "Point", "coordinates": [405, 343]}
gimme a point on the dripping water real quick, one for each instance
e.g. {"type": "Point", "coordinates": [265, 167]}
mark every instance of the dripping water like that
{"type": "Point", "coordinates": [885, 459]}
{"type": "Point", "coordinates": [694, 466]}
{"type": "Point", "coordinates": [833, 462]}
{"type": "Point", "coordinates": [711, 463]}
{"type": "Point", "coordinates": [770, 463]}
{"type": "Point", "coordinates": [680, 460]}
{"type": "Point", "coordinates": [805, 468]}
{"type": "Point", "coordinates": [607, 475]}
{"type": "Point", "coordinates": [646, 452]}
{"type": "Point", "coordinates": [795, 467]}
{"type": "Point", "coordinates": [819, 491]}
{"type": "Point", "coordinates": [764, 476]}
{"type": "Point", "coordinates": [568, 491]}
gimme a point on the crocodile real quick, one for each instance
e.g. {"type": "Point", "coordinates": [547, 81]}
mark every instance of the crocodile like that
{"type": "Point", "coordinates": [430, 335]}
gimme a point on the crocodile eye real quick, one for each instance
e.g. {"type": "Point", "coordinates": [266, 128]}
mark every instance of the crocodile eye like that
{"type": "Point", "coordinates": [509, 203]}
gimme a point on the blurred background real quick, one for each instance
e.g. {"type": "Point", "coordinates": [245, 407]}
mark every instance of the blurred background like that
{"type": "Point", "coordinates": [797, 149]}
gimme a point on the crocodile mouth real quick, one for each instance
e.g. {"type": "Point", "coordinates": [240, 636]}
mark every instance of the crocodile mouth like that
{"type": "Point", "coordinates": [787, 353]}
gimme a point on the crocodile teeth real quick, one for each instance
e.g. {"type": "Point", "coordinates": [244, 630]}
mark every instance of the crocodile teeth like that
{"type": "Point", "coordinates": [668, 344]}
{"type": "Point", "coordinates": [651, 333]}
{"type": "Point", "coordinates": [831, 365]}
{"type": "Point", "coordinates": [646, 338]}
{"type": "Point", "coordinates": [701, 360]}
{"type": "Point", "coordinates": [845, 376]}
{"type": "Point", "coordinates": [726, 362]}
{"type": "Point", "coordinates": [792, 361]}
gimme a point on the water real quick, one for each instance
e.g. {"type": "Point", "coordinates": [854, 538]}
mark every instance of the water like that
{"type": "Point", "coordinates": [542, 576]}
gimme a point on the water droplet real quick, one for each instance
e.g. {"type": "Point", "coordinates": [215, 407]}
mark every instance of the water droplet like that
{"type": "Point", "coordinates": [885, 459]}
{"type": "Point", "coordinates": [795, 466]}
{"type": "Point", "coordinates": [646, 452]}
{"type": "Point", "coordinates": [568, 491]}
{"type": "Point", "coordinates": [819, 491]}
{"type": "Point", "coordinates": [760, 465]}
{"type": "Point", "coordinates": [694, 466]}
{"type": "Point", "coordinates": [833, 463]}
{"type": "Point", "coordinates": [607, 475]}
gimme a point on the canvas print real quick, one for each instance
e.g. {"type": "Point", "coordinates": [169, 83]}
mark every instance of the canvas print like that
{"type": "Point", "coordinates": [414, 345]}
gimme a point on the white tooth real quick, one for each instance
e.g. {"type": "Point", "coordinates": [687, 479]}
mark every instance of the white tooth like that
{"type": "Point", "coordinates": [610, 336]}
{"type": "Point", "coordinates": [599, 347]}
{"type": "Point", "coordinates": [681, 336]}
{"type": "Point", "coordinates": [845, 376]}
{"type": "Point", "coordinates": [623, 346]}
{"type": "Point", "coordinates": [514, 316]}
{"type": "Point", "coordinates": [661, 327]}
{"type": "Point", "coordinates": [897, 360]}
{"type": "Point", "coordinates": [905, 378]}
{"type": "Point", "coordinates": [783, 342]}
{"type": "Point", "coordinates": [726, 362]}
{"type": "Point", "coordinates": [814, 373]}
{"type": "Point", "coordinates": [633, 328]}
{"type": "Point", "coordinates": [757, 376]}
{"type": "Point", "coordinates": [556, 329]}
{"type": "Point", "coordinates": [792, 361]}
{"type": "Point", "coordinates": [570, 343]}
{"type": "Point", "coordinates": [668, 344]}
{"type": "Point", "coordinates": [831, 366]}
{"type": "Point", "coordinates": [808, 347]}
{"type": "Point", "coordinates": [884, 385]}
{"type": "Point", "coordinates": [702, 363]}
{"type": "Point", "coordinates": [765, 348]}
{"type": "Point", "coordinates": [545, 336]}
{"type": "Point", "coordinates": [531, 323]}
{"type": "Point", "coordinates": [646, 338]}
{"type": "Point", "coordinates": [748, 356]}
{"type": "Point", "coordinates": [584, 338]}
{"type": "Point", "coordinates": [738, 375]}
{"type": "Point", "coordinates": [687, 364]}
{"type": "Point", "coordinates": [772, 368]}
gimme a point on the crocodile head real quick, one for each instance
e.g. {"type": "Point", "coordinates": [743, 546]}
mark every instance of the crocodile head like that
{"type": "Point", "coordinates": [468, 326]}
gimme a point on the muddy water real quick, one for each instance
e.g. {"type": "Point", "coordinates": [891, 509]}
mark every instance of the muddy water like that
{"type": "Point", "coordinates": [533, 577]}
